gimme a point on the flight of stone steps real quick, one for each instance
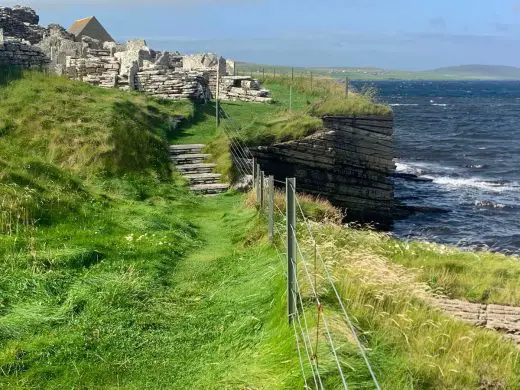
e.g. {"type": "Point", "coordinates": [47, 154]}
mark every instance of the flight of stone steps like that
{"type": "Point", "coordinates": [191, 163]}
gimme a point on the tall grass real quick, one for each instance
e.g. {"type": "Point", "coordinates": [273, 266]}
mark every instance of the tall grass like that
{"type": "Point", "coordinates": [332, 98]}
{"type": "Point", "coordinates": [411, 344]}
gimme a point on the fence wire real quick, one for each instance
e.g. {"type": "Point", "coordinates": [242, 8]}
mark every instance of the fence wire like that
{"type": "Point", "coordinates": [242, 156]}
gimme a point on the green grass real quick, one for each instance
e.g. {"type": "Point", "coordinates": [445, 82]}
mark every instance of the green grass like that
{"type": "Point", "coordinates": [112, 275]}
{"type": "Point", "coordinates": [412, 344]}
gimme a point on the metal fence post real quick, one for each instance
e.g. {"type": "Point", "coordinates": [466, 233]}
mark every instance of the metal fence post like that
{"type": "Point", "coordinates": [258, 188]}
{"type": "Point", "coordinates": [291, 247]}
{"type": "Point", "coordinates": [262, 190]}
{"type": "Point", "coordinates": [270, 196]}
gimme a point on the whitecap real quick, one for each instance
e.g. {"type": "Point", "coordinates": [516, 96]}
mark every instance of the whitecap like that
{"type": "Point", "coordinates": [488, 204]}
{"type": "Point", "coordinates": [473, 182]}
{"type": "Point", "coordinates": [439, 104]}
{"type": "Point", "coordinates": [403, 104]}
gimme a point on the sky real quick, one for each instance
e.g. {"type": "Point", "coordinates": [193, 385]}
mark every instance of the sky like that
{"type": "Point", "coordinates": [391, 34]}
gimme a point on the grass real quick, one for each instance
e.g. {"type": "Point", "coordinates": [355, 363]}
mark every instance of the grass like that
{"type": "Point", "coordinates": [479, 277]}
{"type": "Point", "coordinates": [115, 276]}
{"type": "Point", "coordinates": [411, 344]}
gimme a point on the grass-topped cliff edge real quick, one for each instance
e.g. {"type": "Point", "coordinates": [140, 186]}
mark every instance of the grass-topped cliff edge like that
{"type": "Point", "coordinates": [112, 275]}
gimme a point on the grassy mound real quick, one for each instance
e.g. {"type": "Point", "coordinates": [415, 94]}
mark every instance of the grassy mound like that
{"type": "Point", "coordinates": [55, 133]}
{"type": "Point", "coordinates": [85, 129]}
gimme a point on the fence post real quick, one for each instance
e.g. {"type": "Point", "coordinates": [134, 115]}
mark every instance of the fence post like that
{"type": "Point", "coordinates": [262, 190]}
{"type": "Point", "coordinates": [346, 86]}
{"type": "Point", "coordinates": [311, 84]}
{"type": "Point", "coordinates": [291, 89]}
{"type": "Point", "coordinates": [291, 247]}
{"type": "Point", "coordinates": [258, 188]}
{"type": "Point", "coordinates": [270, 206]}
{"type": "Point", "coordinates": [254, 172]}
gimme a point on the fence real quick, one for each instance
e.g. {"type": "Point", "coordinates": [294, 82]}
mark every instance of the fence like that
{"type": "Point", "coordinates": [291, 75]}
{"type": "Point", "coordinates": [294, 255]}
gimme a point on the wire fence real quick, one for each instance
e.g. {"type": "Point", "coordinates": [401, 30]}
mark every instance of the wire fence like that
{"type": "Point", "coordinates": [307, 341]}
{"type": "Point", "coordinates": [315, 340]}
{"type": "Point", "coordinates": [315, 81]}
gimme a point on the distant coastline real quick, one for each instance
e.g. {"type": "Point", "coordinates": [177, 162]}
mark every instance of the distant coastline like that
{"type": "Point", "coordinates": [455, 73]}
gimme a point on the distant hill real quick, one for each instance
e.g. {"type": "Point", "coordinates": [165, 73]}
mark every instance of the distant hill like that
{"type": "Point", "coordinates": [463, 72]}
{"type": "Point", "coordinates": [489, 72]}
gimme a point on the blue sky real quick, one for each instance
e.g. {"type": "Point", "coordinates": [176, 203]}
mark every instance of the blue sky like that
{"type": "Point", "coordinates": [400, 34]}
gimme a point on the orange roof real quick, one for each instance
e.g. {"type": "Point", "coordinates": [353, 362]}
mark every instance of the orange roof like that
{"type": "Point", "coordinates": [79, 25]}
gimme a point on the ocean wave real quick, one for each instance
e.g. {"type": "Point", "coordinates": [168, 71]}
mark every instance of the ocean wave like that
{"type": "Point", "coordinates": [403, 104]}
{"type": "Point", "coordinates": [440, 104]}
{"type": "Point", "coordinates": [488, 204]}
{"type": "Point", "coordinates": [420, 168]}
{"type": "Point", "coordinates": [475, 182]}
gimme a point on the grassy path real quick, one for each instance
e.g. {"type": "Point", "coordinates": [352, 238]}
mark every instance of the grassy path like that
{"type": "Point", "coordinates": [225, 301]}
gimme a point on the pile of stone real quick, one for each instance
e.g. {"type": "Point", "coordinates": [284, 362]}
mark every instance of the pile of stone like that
{"type": "Point", "coordinates": [16, 51]}
{"type": "Point", "coordinates": [22, 23]}
{"type": "Point", "coordinates": [243, 88]}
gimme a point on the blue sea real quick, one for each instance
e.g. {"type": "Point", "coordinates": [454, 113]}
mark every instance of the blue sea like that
{"type": "Point", "coordinates": [464, 137]}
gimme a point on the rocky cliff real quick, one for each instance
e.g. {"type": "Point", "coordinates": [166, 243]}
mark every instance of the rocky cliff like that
{"type": "Point", "coordinates": [349, 162]}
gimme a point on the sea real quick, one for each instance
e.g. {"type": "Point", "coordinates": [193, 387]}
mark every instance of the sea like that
{"type": "Point", "coordinates": [462, 139]}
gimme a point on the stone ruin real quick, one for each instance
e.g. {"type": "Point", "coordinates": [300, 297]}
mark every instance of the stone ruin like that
{"type": "Point", "coordinates": [243, 88]}
{"type": "Point", "coordinates": [132, 66]}
{"type": "Point", "coordinates": [22, 23]}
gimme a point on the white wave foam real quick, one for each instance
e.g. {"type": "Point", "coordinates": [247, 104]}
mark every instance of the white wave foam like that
{"type": "Point", "coordinates": [403, 104]}
{"type": "Point", "coordinates": [439, 104]}
{"type": "Point", "coordinates": [487, 204]}
{"type": "Point", "coordinates": [419, 168]}
{"type": "Point", "coordinates": [473, 182]}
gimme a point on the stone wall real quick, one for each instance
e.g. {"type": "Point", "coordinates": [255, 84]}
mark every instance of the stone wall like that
{"type": "Point", "coordinates": [349, 162]}
{"type": "Point", "coordinates": [172, 84]}
{"type": "Point", "coordinates": [17, 52]}
{"type": "Point", "coordinates": [130, 66]}
{"type": "Point", "coordinates": [21, 22]}
{"type": "Point", "coordinates": [99, 68]}
{"type": "Point", "coordinates": [208, 63]}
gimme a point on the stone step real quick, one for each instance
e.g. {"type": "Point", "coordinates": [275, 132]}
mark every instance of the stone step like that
{"type": "Point", "coordinates": [203, 178]}
{"type": "Point", "coordinates": [186, 149]}
{"type": "Point", "coordinates": [210, 189]}
{"type": "Point", "coordinates": [189, 158]}
{"type": "Point", "coordinates": [187, 169]}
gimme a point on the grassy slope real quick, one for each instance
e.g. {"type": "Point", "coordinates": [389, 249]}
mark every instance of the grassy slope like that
{"type": "Point", "coordinates": [96, 288]}
{"type": "Point", "coordinates": [137, 283]}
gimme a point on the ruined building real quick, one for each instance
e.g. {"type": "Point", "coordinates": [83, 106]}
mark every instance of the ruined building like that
{"type": "Point", "coordinates": [88, 53]}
